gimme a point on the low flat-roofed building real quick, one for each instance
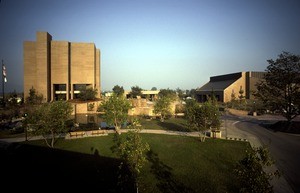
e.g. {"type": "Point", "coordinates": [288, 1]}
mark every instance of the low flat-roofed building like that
{"type": "Point", "coordinates": [225, 87]}
{"type": "Point", "coordinates": [148, 94]}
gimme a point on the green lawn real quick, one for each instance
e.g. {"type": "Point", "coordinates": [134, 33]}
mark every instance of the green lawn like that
{"type": "Point", "coordinates": [174, 124]}
{"type": "Point", "coordinates": [175, 164]}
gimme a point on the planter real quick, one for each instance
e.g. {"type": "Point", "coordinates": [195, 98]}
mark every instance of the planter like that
{"type": "Point", "coordinates": [216, 134]}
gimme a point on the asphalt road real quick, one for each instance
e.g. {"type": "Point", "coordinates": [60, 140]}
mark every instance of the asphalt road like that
{"type": "Point", "coordinates": [284, 147]}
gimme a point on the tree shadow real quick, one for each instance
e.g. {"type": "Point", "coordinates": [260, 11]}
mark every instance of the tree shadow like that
{"type": "Point", "coordinates": [166, 181]}
{"type": "Point", "coordinates": [283, 126]}
{"type": "Point", "coordinates": [50, 168]}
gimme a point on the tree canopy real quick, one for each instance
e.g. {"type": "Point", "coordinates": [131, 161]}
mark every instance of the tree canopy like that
{"type": "Point", "coordinates": [180, 93]}
{"type": "Point", "coordinates": [252, 173]}
{"type": "Point", "coordinates": [118, 90]}
{"type": "Point", "coordinates": [191, 93]}
{"type": "Point", "coordinates": [115, 110]}
{"type": "Point", "coordinates": [135, 91]}
{"type": "Point", "coordinates": [171, 94]}
{"type": "Point", "coordinates": [132, 152]}
{"type": "Point", "coordinates": [34, 97]}
{"type": "Point", "coordinates": [87, 94]}
{"type": "Point", "coordinates": [202, 117]}
{"type": "Point", "coordinates": [162, 107]}
{"type": "Point", "coordinates": [280, 89]}
{"type": "Point", "coordinates": [49, 119]}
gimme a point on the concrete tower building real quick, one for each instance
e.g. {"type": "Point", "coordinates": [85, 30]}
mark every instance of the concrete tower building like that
{"type": "Point", "coordinates": [60, 69]}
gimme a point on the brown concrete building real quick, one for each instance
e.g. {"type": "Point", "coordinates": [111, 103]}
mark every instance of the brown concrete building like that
{"type": "Point", "coordinates": [60, 69]}
{"type": "Point", "coordinates": [226, 87]}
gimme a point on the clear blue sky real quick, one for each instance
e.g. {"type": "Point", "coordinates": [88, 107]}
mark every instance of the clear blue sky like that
{"type": "Point", "coordinates": [156, 43]}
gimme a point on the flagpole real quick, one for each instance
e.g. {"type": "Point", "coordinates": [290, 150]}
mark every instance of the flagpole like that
{"type": "Point", "coordinates": [3, 100]}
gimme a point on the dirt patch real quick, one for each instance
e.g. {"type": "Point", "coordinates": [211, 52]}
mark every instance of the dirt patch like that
{"type": "Point", "coordinates": [284, 126]}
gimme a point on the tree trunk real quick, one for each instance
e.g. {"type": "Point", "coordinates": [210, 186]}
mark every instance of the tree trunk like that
{"type": "Point", "coordinates": [118, 130]}
{"type": "Point", "coordinates": [45, 138]}
{"type": "Point", "coordinates": [202, 136]}
{"type": "Point", "coordinates": [52, 140]}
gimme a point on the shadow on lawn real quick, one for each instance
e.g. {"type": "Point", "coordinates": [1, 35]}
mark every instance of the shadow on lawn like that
{"type": "Point", "coordinates": [36, 166]}
{"type": "Point", "coordinates": [173, 126]}
{"type": "Point", "coordinates": [165, 178]}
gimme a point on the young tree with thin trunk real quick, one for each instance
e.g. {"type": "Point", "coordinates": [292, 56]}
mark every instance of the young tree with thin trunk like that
{"type": "Point", "coordinates": [49, 120]}
{"type": "Point", "coordinates": [162, 107]}
{"type": "Point", "coordinates": [132, 153]}
{"type": "Point", "coordinates": [202, 117]}
{"type": "Point", "coordinates": [115, 111]}
{"type": "Point", "coordinates": [252, 171]}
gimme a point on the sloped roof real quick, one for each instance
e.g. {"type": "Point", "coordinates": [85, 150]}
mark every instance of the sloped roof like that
{"type": "Point", "coordinates": [216, 85]}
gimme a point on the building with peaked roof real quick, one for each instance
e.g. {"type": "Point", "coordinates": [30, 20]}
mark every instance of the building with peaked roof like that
{"type": "Point", "coordinates": [60, 69]}
{"type": "Point", "coordinates": [228, 86]}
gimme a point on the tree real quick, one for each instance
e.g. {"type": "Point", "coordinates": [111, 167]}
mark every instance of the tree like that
{"type": "Point", "coordinates": [233, 98]}
{"type": "Point", "coordinates": [135, 91]}
{"type": "Point", "coordinates": [241, 92]}
{"type": "Point", "coordinates": [180, 93]}
{"type": "Point", "coordinates": [87, 94]}
{"type": "Point", "coordinates": [162, 107]}
{"type": "Point", "coordinates": [251, 171]}
{"type": "Point", "coordinates": [13, 104]}
{"type": "Point", "coordinates": [179, 108]}
{"type": "Point", "coordinates": [191, 93]}
{"type": "Point", "coordinates": [194, 117]}
{"type": "Point", "coordinates": [49, 120]}
{"type": "Point", "coordinates": [280, 89]}
{"type": "Point", "coordinates": [202, 118]}
{"type": "Point", "coordinates": [211, 115]}
{"type": "Point", "coordinates": [118, 90]}
{"type": "Point", "coordinates": [191, 107]}
{"type": "Point", "coordinates": [171, 94]}
{"type": "Point", "coordinates": [34, 97]}
{"type": "Point", "coordinates": [154, 88]}
{"type": "Point", "coordinates": [115, 111]}
{"type": "Point", "coordinates": [132, 152]}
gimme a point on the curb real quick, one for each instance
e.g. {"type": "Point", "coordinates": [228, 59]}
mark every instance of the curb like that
{"type": "Point", "coordinates": [236, 139]}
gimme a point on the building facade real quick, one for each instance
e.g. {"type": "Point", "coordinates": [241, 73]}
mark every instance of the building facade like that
{"type": "Point", "coordinates": [60, 69]}
{"type": "Point", "coordinates": [229, 86]}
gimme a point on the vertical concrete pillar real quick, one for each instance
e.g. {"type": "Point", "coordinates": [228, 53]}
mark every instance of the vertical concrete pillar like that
{"type": "Point", "coordinates": [43, 73]}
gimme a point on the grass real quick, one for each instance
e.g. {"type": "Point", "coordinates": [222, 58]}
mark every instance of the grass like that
{"type": "Point", "coordinates": [175, 164]}
{"type": "Point", "coordinates": [174, 124]}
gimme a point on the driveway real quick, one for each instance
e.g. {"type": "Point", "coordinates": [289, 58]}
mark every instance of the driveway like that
{"type": "Point", "coordinates": [284, 147]}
